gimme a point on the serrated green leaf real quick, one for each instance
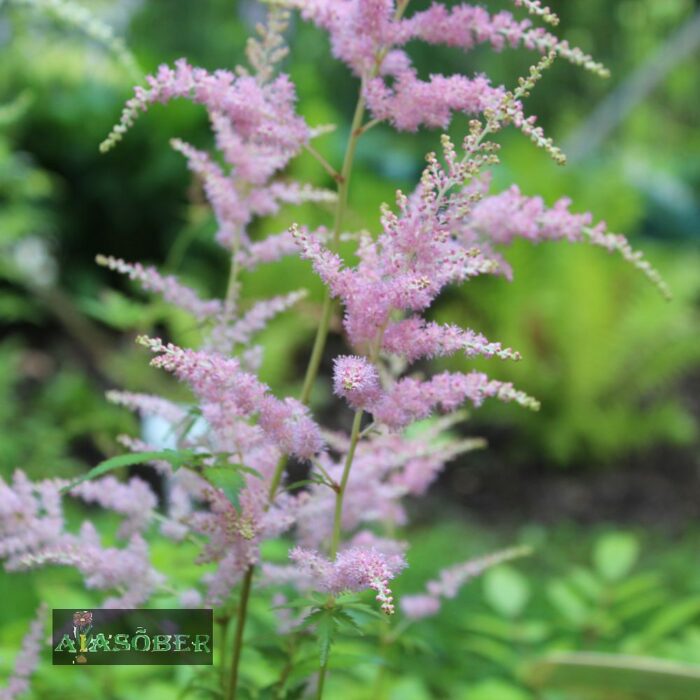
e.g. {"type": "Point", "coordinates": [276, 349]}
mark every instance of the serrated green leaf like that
{"type": "Point", "coordinates": [345, 617]}
{"type": "Point", "coordinates": [363, 609]}
{"type": "Point", "coordinates": [229, 480]}
{"type": "Point", "coordinates": [309, 602]}
{"type": "Point", "coordinates": [176, 458]}
{"type": "Point", "coordinates": [361, 617]}
{"type": "Point", "coordinates": [326, 627]}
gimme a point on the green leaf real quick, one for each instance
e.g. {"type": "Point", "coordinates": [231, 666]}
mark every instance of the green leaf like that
{"type": "Point", "coordinates": [500, 653]}
{"type": "Point", "coordinates": [306, 602]}
{"type": "Point", "coordinates": [229, 480]}
{"type": "Point", "coordinates": [586, 583]}
{"type": "Point", "coordinates": [347, 618]}
{"type": "Point", "coordinates": [568, 602]}
{"type": "Point", "coordinates": [363, 609]}
{"type": "Point", "coordinates": [176, 458]}
{"type": "Point", "coordinates": [615, 554]}
{"type": "Point", "coordinates": [604, 675]}
{"type": "Point", "coordinates": [669, 620]}
{"type": "Point", "coordinates": [506, 590]}
{"type": "Point", "coordinates": [326, 626]}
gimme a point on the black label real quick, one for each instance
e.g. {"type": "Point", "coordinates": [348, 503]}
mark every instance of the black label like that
{"type": "Point", "coordinates": [132, 637]}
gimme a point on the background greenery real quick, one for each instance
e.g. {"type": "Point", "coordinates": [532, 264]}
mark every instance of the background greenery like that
{"type": "Point", "coordinates": [603, 482]}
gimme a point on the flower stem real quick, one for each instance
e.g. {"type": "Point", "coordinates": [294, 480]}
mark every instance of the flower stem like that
{"type": "Point", "coordinates": [321, 681]}
{"type": "Point", "coordinates": [338, 515]}
{"type": "Point", "coordinates": [238, 637]}
{"type": "Point", "coordinates": [309, 378]}
{"type": "Point", "coordinates": [340, 211]}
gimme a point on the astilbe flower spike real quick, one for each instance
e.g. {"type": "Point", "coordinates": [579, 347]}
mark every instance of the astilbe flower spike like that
{"type": "Point", "coordinates": [226, 391]}
{"type": "Point", "coordinates": [173, 291]}
{"type": "Point", "coordinates": [134, 499]}
{"type": "Point", "coordinates": [450, 580]}
{"type": "Point", "coordinates": [354, 569]}
{"type": "Point", "coordinates": [27, 658]}
{"type": "Point", "coordinates": [368, 35]}
{"type": "Point", "coordinates": [33, 533]}
{"type": "Point", "coordinates": [262, 113]}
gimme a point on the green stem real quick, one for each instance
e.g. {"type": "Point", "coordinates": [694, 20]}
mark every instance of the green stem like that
{"type": "Point", "coordinates": [311, 370]}
{"type": "Point", "coordinates": [321, 681]}
{"type": "Point", "coordinates": [222, 623]}
{"type": "Point", "coordinates": [338, 515]}
{"type": "Point", "coordinates": [337, 521]}
{"type": "Point", "coordinates": [238, 637]}
{"type": "Point", "coordinates": [340, 211]}
{"type": "Point", "coordinates": [314, 360]}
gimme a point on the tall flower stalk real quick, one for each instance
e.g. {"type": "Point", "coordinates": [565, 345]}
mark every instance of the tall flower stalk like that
{"type": "Point", "coordinates": [224, 479]}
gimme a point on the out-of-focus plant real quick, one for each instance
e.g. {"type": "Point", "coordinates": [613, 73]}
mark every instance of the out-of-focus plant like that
{"type": "Point", "coordinates": [584, 618]}
{"type": "Point", "coordinates": [609, 628]}
{"type": "Point", "coordinates": [52, 414]}
{"type": "Point", "coordinates": [610, 372]}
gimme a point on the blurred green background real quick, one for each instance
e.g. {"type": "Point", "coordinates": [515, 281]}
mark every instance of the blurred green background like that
{"type": "Point", "coordinates": [604, 481]}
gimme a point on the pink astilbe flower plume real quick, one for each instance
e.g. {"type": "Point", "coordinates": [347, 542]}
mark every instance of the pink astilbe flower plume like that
{"type": "Point", "coordinates": [388, 467]}
{"type": "Point", "coordinates": [31, 517]}
{"type": "Point", "coordinates": [173, 291]}
{"type": "Point", "coordinates": [226, 393]}
{"type": "Point", "coordinates": [368, 35]}
{"type": "Point", "coordinates": [227, 333]}
{"type": "Point", "coordinates": [148, 405]}
{"type": "Point", "coordinates": [354, 569]}
{"type": "Point", "coordinates": [412, 399]}
{"type": "Point", "coordinates": [27, 658]}
{"type": "Point", "coordinates": [450, 580]}
{"type": "Point", "coordinates": [35, 535]}
{"type": "Point", "coordinates": [356, 380]}
{"type": "Point", "coordinates": [261, 113]}
{"type": "Point", "coordinates": [127, 570]}
{"type": "Point", "coordinates": [133, 499]}
{"type": "Point", "coordinates": [499, 219]}
{"type": "Point", "coordinates": [414, 338]}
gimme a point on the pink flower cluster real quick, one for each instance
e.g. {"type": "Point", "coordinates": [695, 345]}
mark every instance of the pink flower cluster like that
{"type": "Point", "coordinates": [498, 219]}
{"type": "Point", "coordinates": [354, 569]}
{"type": "Point", "coordinates": [173, 291]}
{"type": "Point", "coordinates": [368, 35]}
{"type": "Point", "coordinates": [254, 113]}
{"type": "Point", "coordinates": [227, 393]}
{"type": "Point", "coordinates": [133, 499]}
{"type": "Point", "coordinates": [27, 658]}
{"type": "Point", "coordinates": [387, 468]}
{"type": "Point", "coordinates": [32, 533]}
{"type": "Point", "coordinates": [450, 580]}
